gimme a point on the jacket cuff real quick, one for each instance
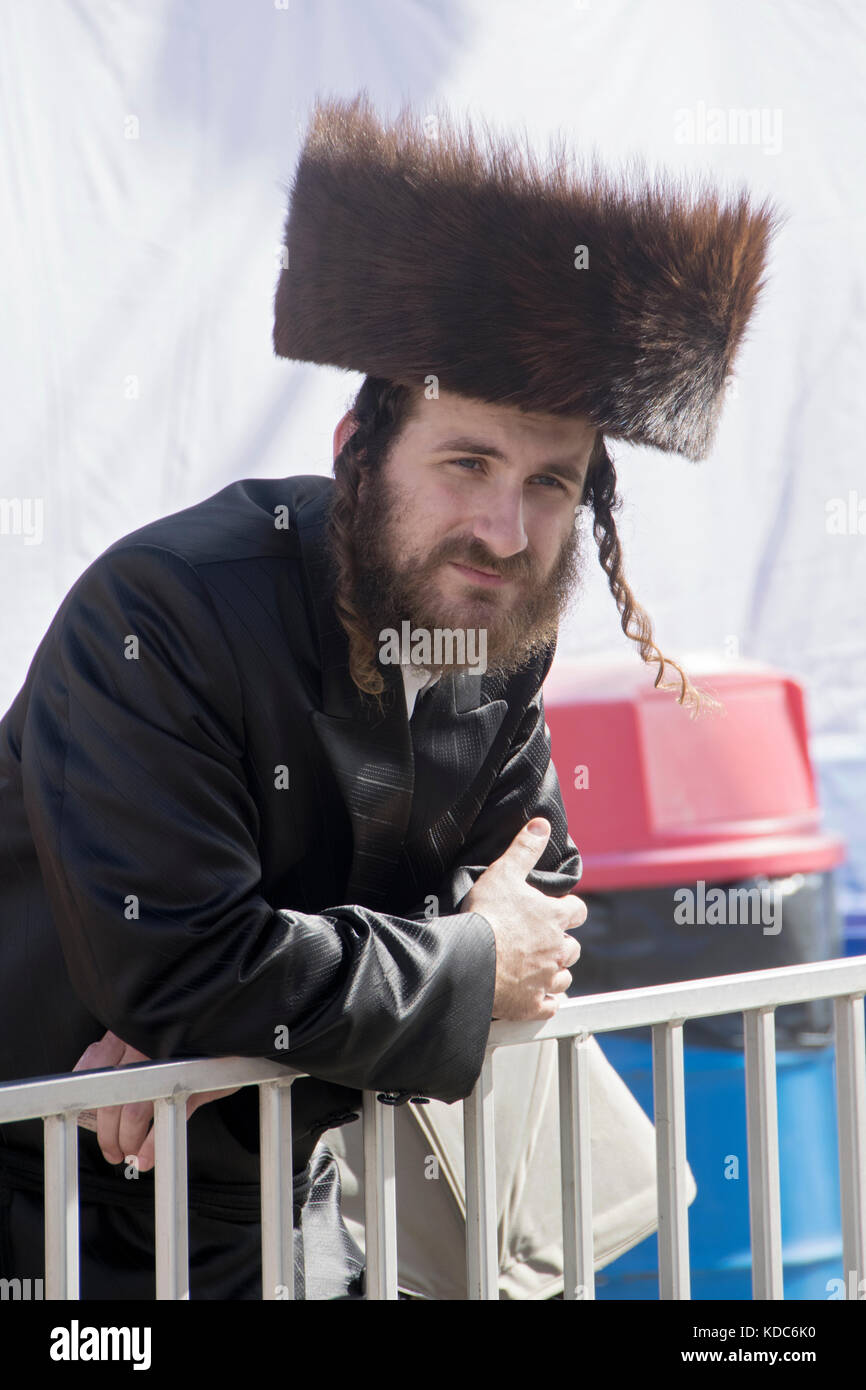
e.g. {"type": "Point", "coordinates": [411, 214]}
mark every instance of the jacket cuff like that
{"type": "Point", "coordinates": [475, 961]}
{"type": "Point", "coordinates": [469, 986]}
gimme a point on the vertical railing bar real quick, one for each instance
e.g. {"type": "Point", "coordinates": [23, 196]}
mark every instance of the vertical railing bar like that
{"type": "Point", "coordinates": [61, 1206]}
{"type": "Point", "coordinates": [479, 1140]}
{"type": "Point", "coordinates": [669, 1109]}
{"type": "Point", "coordinates": [575, 1151]}
{"type": "Point", "coordinates": [275, 1147]}
{"type": "Point", "coordinates": [170, 1198]}
{"type": "Point", "coordinates": [762, 1131]}
{"type": "Point", "coordinates": [851, 1122]}
{"type": "Point", "coordinates": [380, 1199]}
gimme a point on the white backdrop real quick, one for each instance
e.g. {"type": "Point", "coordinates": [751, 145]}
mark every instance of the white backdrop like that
{"type": "Point", "coordinates": [146, 148]}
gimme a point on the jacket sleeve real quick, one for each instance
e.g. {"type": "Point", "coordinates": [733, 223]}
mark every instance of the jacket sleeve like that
{"type": "Point", "coordinates": [527, 786]}
{"type": "Point", "coordinates": [146, 833]}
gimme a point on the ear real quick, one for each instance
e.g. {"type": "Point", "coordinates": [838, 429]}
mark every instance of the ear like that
{"type": "Point", "coordinates": [345, 429]}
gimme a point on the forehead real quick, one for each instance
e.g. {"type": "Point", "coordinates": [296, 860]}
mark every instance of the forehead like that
{"type": "Point", "coordinates": [515, 432]}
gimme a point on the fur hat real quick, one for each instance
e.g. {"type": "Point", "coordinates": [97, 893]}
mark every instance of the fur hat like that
{"type": "Point", "coordinates": [414, 250]}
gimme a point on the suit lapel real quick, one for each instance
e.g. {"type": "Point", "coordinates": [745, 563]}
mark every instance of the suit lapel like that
{"type": "Point", "coordinates": [452, 734]}
{"type": "Point", "coordinates": [372, 755]}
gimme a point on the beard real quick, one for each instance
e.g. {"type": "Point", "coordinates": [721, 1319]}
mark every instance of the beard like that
{"type": "Point", "coordinates": [521, 619]}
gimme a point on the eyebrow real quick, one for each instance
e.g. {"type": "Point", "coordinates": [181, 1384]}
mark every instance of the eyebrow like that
{"type": "Point", "coordinates": [565, 467]}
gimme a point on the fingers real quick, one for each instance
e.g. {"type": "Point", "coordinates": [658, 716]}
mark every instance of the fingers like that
{"type": "Point", "coordinates": [107, 1127]}
{"type": "Point", "coordinates": [146, 1156]}
{"type": "Point", "coordinates": [120, 1129]}
{"type": "Point", "coordinates": [542, 1004]}
{"type": "Point", "coordinates": [105, 1053]}
{"type": "Point", "coordinates": [577, 911]}
{"type": "Point", "coordinates": [560, 948]}
{"type": "Point", "coordinates": [571, 953]}
{"type": "Point", "coordinates": [137, 1134]}
{"type": "Point", "coordinates": [135, 1121]}
{"type": "Point", "coordinates": [146, 1151]}
{"type": "Point", "coordinates": [526, 848]}
{"type": "Point", "coordinates": [126, 1131]}
{"type": "Point", "coordinates": [567, 913]}
{"type": "Point", "coordinates": [561, 982]}
{"type": "Point", "coordinates": [548, 1006]}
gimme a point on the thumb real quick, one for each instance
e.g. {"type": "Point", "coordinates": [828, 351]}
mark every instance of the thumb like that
{"type": "Point", "coordinates": [527, 847]}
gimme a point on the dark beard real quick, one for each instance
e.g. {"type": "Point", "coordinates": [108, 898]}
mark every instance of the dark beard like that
{"type": "Point", "coordinates": [518, 627]}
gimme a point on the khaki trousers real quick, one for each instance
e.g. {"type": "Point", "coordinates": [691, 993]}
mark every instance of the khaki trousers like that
{"type": "Point", "coordinates": [431, 1204]}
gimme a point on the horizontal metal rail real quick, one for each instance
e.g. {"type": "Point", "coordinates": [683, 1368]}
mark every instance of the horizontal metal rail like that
{"type": "Point", "coordinates": [719, 994]}
{"type": "Point", "coordinates": [58, 1100]}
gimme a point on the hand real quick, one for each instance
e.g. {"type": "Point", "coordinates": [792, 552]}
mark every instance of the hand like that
{"type": "Point", "coordinates": [122, 1130]}
{"type": "Point", "coordinates": [530, 927]}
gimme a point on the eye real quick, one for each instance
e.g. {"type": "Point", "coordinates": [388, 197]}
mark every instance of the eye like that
{"type": "Point", "coordinates": [546, 477]}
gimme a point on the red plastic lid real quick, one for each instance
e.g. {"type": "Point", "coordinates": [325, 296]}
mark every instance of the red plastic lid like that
{"type": "Point", "coordinates": [655, 797]}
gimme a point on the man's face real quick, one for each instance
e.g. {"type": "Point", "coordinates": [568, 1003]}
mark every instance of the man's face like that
{"type": "Point", "coordinates": [470, 486]}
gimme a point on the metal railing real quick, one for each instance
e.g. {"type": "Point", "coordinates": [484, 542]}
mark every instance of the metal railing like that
{"type": "Point", "coordinates": [665, 1008]}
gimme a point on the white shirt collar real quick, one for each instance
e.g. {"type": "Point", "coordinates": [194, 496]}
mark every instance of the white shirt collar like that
{"type": "Point", "coordinates": [415, 679]}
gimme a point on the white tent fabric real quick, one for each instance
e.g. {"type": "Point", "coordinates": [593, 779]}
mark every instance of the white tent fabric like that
{"type": "Point", "coordinates": [146, 151]}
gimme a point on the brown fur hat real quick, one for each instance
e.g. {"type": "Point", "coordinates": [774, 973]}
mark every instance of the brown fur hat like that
{"type": "Point", "coordinates": [415, 249]}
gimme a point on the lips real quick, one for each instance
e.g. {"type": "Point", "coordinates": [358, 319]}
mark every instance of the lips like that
{"type": "Point", "coordinates": [478, 570]}
{"type": "Point", "coordinates": [479, 576]}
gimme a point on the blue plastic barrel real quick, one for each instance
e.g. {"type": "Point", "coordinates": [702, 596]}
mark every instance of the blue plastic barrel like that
{"type": "Point", "coordinates": [719, 1240]}
{"type": "Point", "coordinates": [855, 934]}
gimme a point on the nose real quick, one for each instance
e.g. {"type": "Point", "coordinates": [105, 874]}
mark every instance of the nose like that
{"type": "Point", "coordinates": [500, 525]}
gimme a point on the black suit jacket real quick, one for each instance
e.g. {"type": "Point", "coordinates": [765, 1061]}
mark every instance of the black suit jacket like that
{"type": "Point", "coordinates": [209, 844]}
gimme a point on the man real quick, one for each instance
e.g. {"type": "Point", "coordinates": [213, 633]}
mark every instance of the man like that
{"type": "Point", "coordinates": [221, 829]}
